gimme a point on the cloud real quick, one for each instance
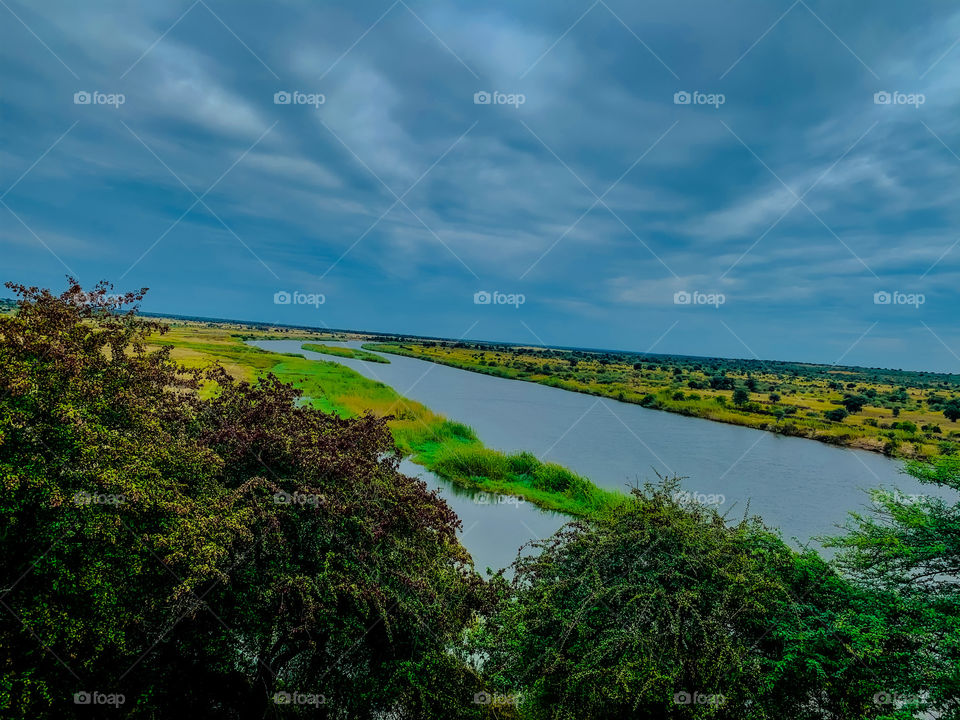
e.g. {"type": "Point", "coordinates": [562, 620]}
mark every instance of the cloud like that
{"type": "Point", "coordinates": [398, 98]}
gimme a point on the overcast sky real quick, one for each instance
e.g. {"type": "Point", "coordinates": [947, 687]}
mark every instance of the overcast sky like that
{"type": "Point", "coordinates": [145, 144]}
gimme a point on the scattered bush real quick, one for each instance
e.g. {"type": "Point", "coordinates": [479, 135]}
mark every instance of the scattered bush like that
{"type": "Point", "coordinates": [836, 415]}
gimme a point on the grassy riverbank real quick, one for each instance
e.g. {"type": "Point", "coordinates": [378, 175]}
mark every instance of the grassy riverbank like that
{"type": "Point", "coordinates": [898, 413]}
{"type": "Point", "coordinates": [345, 352]}
{"type": "Point", "coordinates": [449, 449]}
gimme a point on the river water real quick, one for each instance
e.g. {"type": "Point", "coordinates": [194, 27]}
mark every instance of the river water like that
{"type": "Point", "coordinates": [802, 487]}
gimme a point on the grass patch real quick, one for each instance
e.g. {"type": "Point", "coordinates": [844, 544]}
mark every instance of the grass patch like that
{"type": "Point", "coordinates": [524, 475]}
{"type": "Point", "coordinates": [448, 448]}
{"type": "Point", "coordinates": [345, 352]}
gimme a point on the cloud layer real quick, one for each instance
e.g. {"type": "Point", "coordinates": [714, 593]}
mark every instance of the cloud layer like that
{"type": "Point", "coordinates": [826, 173]}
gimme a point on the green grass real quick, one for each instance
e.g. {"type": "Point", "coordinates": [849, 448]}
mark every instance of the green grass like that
{"type": "Point", "coordinates": [449, 449]}
{"type": "Point", "coordinates": [523, 474]}
{"type": "Point", "coordinates": [345, 352]}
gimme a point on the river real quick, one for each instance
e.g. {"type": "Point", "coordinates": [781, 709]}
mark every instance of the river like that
{"type": "Point", "coordinates": [802, 487]}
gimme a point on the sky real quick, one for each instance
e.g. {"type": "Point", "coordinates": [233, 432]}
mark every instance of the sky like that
{"type": "Point", "coordinates": [741, 179]}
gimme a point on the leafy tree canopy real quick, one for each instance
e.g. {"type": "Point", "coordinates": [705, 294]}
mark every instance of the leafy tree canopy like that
{"type": "Point", "coordinates": [201, 554]}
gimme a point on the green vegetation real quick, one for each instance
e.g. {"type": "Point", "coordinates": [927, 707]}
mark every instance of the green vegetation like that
{"type": "Point", "coordinates": [854, 407]}
{"type": "Point", "coordinates": [908, 546]}
{"type": "Point", "coordinates": [184, 556]}
{"type": "Point", "coordinates": [180, 542]}
{"type": "Point", "coordinates": [661, 609]}
{"type": "Point", "coordinates": [427, 438]}
{"type": "Point", "coordinates": [545, 484]}
{"type": "Point", "coordinates": [345, 352]}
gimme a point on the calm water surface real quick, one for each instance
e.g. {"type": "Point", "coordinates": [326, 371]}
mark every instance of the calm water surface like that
{"type": "Point", "coordinates": [804, 488]}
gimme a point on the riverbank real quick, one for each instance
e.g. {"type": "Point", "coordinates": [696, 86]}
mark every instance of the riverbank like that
{"type": "Point", "coordinates": [895, 413]}
{"type": "Point", "coordinates": [449, 449]}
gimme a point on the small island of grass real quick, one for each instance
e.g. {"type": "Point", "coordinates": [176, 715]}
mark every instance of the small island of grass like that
{"type": "Point", "coordinates": [345, 352]}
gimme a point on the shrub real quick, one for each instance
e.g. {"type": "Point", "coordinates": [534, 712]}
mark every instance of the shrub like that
{"type": "Point", "coordinates": [471, 461]}
{"type": "Point", "coordinates": [550, 476]}
{"type": "Point", "coordinates": [361, 591]}
{"type": "Point", "coordinates": [836, 415]}
{"type": "Point", "coordinates": [524, 463]}
{"type": "Point", "coordinates": [593, 626]}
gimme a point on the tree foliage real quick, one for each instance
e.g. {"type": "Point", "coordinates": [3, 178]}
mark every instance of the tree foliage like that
{"type": "Point", "coordinates": [202, 555]}
{"type": "Point", "coordinates": [662, 609]}
{"type": "Point", "coordinates": [909, 546]}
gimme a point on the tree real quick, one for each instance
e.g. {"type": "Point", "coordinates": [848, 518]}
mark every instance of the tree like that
{"type": "Point", "coordinates": [660, 601]}
{"type": "Point", "coordinates": [951, 410]}
{"type": "Point", "coordinates": [854, 403]}
{"type": "Point", "coordinates": [200, 553]}
{"type": "Point", "coordinates": [836, 415]}
{"type": "Point", "coordinates": [774, 397]}
{"type": "Point", "coordinates": [721, 382]}
{"type": "Point", "coordinates": [906, 547]}
{"type": "Point", "coordinates": [740, 397]}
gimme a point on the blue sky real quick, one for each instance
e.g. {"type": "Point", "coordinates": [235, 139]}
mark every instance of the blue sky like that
{"type": "Point", "coordinates": [781, 209]}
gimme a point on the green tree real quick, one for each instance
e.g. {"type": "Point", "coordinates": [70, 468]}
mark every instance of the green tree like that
{"type": "Point", "coordinates": [854, 403]}
{"type": "Point", "coordinates": [951, 410]}
{"type": "Point", "coordinates": [199, 553]}
{"type": "Point", "coordinates": [631, 613]}
{"type": "Point", "coordinates": [740, 397]}
{"type": "Point", "coordinates": [836, 414]}
{"type": "Point", "coordinates": [907, 546]}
